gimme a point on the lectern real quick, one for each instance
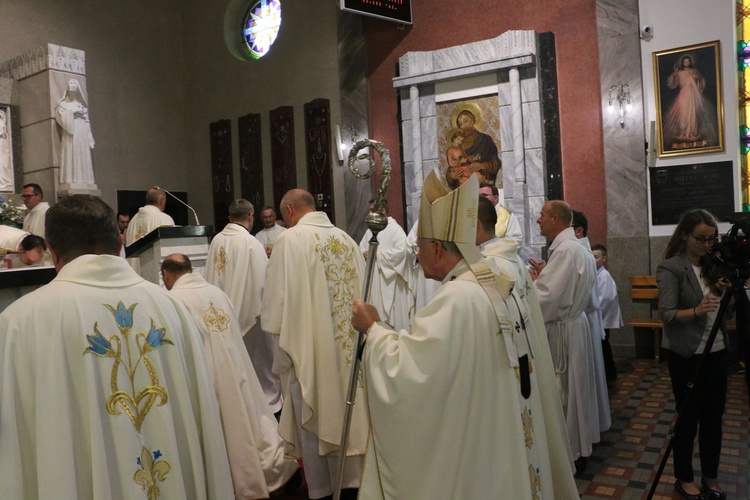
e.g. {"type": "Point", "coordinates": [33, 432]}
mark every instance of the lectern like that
{"type": "Point", "coordinates": [151, 250]}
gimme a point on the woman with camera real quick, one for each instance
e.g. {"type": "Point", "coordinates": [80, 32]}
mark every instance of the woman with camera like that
{"type": "Point", "coordinates": [688, 304]}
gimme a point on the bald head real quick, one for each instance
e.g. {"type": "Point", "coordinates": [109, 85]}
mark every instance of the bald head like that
{"type": "Point", "coordinates": [555, 217]}
{"type": "Point", "coordinates": [156, 197]}
{"type": "Point", "coordinates": [173, 267]}
{"type": "Point", "coordinates": [294, 205]}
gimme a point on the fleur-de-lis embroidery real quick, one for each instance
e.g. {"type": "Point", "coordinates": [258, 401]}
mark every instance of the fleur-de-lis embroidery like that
{"type": "Point", "coordinates": [536, 484]}
{"type": "Point", "coordinates": [215, 319]}
{"type": "Point", "coordinates": [152, 471]}
{"type": "Point", "coordinates": [220, 260]}
{"type": "Point", "coordinates": [135, 405]}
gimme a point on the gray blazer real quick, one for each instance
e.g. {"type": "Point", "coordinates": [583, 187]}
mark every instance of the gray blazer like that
{"type": "Point", "coordinates": [679, 289]}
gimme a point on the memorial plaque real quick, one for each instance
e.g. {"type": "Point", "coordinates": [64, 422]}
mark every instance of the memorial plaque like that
{"type": "Point", "coordinates": [683, 187]}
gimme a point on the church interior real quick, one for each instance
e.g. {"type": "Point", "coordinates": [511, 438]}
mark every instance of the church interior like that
{"type": "Point", "coordinates": [574, 93]}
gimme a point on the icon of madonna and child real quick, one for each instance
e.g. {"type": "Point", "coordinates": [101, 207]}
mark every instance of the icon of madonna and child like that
{"type": "Point", "coordinates": [470, 151]}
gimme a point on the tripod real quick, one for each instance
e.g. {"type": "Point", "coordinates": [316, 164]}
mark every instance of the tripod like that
{"type": "Point", "coordinates": [725, 299]}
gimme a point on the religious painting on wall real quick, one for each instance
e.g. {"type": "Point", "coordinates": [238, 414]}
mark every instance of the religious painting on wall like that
{"type": "Point", "coordinates": [318, 148]}
{"type": "Point", "coordinates": [689, 108]}
{"type": "Point", "coordinates": [222, 178]}
{"type": "Point", "coordinates": [251, 164]}
{"type": "Point", "coordinates": [469, 140]}
{"type": "Point", "coordinates": [7, 183]}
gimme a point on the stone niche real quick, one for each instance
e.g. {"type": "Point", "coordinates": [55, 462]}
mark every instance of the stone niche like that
{"type": "Point", "coordinates": [505, 69]}
{"type": "Point", "coordinates": [41, 77]}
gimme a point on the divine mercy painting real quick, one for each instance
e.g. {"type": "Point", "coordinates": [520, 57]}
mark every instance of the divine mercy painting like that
{"type": "Point", "coordinates": [688, 100]}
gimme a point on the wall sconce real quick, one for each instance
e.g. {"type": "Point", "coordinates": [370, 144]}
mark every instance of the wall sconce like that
{"type": "Point", "coordinates": [340, 146]}
{"type": "Point", "coordinates": [623, 98]}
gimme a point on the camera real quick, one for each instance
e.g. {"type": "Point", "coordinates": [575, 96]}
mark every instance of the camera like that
{"type": "Point", "coordinates": [647, 30]}
{"type": "Point", "coordinates": [730, 256]}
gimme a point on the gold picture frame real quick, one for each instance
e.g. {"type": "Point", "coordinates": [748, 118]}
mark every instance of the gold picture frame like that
{"type": "Point", "coordinates": [689, 105]}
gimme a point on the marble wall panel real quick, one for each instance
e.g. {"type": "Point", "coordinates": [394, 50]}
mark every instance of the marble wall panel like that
{"type": "Point", "coordinates": [506, 130]}
{"type": "Point", "coordinates": [535, 171]}
{"type": "Point", "coordinates": [503, 88]}
{"type": "Point", "coordinates": [427, 105]}
{"type": "Point", "coordinates": [407, 142]}
{"type": "Point", "coordinates": [529, 84]}
{"type": "Point", "coordinates": [404, 103]}
{"type": "Point", "coordinates": [429, 138]}
{"type": "Point", "coordinates": [532, 124]}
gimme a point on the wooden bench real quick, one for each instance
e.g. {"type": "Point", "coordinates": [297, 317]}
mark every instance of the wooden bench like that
{"type": "Point", "coordinates": [643, 289]}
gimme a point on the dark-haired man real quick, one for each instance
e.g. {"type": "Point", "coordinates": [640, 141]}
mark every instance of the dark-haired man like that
{"type": "Point", "coordinates": [33, 196]}
{"type": "Point", "coordinates": [271, 230]}
{"type": "Point", "coordinates": [24, 248]}
{"type": "Point", "coordinates": [106, 391]}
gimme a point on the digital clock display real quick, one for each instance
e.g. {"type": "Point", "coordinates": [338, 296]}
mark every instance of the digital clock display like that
{"type": "Point", "coordinates": [392, 10]}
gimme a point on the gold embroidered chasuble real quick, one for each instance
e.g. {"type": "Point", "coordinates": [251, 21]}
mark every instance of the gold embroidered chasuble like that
{"type": "Point", "coordinates": [315, 272]}
{"type": "Point", "coordinates": [106, 393]}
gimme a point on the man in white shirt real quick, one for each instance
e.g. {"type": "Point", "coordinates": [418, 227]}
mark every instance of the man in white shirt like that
{"type": "Point", "coordinates": [271, 230]}
{"type": "Point", "coordinates": [564, 287]}
{"type": "Point", "coordinates": [256, 452]}
{"type": "Point", "coordinates": [106, 391]}
{"type": "Point", "coordinates": [33, 196]}
{"type": "Point", "coordinates": [507, 223]}
{"type": "Point", "coordinates": [236, 263]}
{"type": "Point", "coordinates": [610, 305]}
{"type": "Point", "coordinates": [149, 217]}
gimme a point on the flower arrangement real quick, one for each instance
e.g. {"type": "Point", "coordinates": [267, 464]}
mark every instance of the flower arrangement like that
{"type": "Point", "coordinates": [11, 214]}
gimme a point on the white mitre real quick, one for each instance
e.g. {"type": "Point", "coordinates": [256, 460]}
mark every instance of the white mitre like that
{"type": "Point", "coordinates": [452, 216]}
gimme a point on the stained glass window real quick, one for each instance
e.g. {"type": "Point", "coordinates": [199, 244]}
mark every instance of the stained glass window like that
{"type": "Point", "coordinates": [743, 63]}
{"type": "Point", "coordinates": [261, 26]}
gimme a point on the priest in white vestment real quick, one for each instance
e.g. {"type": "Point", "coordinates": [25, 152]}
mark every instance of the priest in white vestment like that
{"type": "Point", "coordinates": [393, 277]}
{"type": "Point", "coordinates": [105, 388]}
{"type": "Point", "coordinates": [580, 225]}
{"type": "Point", "coordinates": [315, 272]}
{"type": "Point", "coordinates": [424, 288]}
{"type": "Point", "coordinates": [464, 405]}
{"type": "Point", "coordinates": [236, 263]}
{"type": "Point", "coordinates": [19, 248]}
{"type": "Point", "coordinates": [33, 222]}
{"type": "Point", "coordinates": [256, 451]}
{"type": "Point", "coordinates": [564, 289]}
{"type": "Point", "coordinates": [149, 217]}
{"type": "Point", "coordinates": [271, 231]}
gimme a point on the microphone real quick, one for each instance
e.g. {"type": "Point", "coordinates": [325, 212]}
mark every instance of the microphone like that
{"type": "Point", "coordinates": [176, 198]}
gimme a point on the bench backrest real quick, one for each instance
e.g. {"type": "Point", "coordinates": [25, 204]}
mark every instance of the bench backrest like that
{"type": "Point", "coordinates": [643, 288]}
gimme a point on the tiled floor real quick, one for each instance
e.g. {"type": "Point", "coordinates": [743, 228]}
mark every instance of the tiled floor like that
{"type": "Point", "coordinates": [625, 463]}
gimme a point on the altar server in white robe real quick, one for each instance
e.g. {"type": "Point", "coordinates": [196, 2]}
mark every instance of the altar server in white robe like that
{"type": "Point", "coordinates": [256, 451]}
{"type": "Point", "coordinates": [315, 272]}
{"type": "Point", "coordinates": [236, 263]}
{"type": "Point", "coordinates": [105, 388]}
{"type": "Point", "coordinates": [149, 217]}
{"type": "Point", "coordinates": [580, 225]}
{"type": "Point", "coordinates": [392, 288]}
{"type": "Point", "coordinates": [564, 289]}
{"type": "Point", "coordinates": [472, 363]}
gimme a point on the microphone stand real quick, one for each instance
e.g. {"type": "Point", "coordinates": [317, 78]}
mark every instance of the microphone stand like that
{"type": "Point", "coordinates": [375, 222]}
{"type": "Point", "coordinates": [176, 198]}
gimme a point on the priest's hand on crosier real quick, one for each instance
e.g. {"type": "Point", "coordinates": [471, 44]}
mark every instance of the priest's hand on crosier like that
{"type": "Point", "coordinates": [363, 316]}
